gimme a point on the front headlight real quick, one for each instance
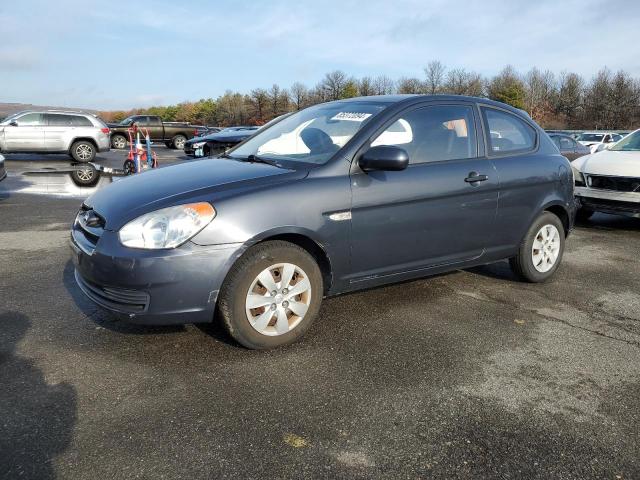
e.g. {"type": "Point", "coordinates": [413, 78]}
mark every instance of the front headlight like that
{"type": "Point", "coordinates": [168, 227]}
{"type": "Point", "coordinates": [198, 145]}
{"type": "Point", "coordinates": [578, 178]}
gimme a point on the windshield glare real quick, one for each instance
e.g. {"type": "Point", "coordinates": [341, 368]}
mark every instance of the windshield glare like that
{"type": "Point", "coordinates": [630, 143]}
{"type": "Point", "coordinates": [312, 135]}
{"type": "Point", "coordinates": [126, 121]}
{"type": "Point", "coordinates": [590, 137]}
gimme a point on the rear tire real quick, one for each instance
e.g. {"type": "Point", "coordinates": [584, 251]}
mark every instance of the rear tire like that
{"type": "Point", "coordinates": [286, 269]}
{"type": "Point", "coordinates": [119, 142]}
{"type": "Point", "coordinates": [540, 252]}
{"type": "Point", "coordinates": [178, 141]}
{"type": "Point", "coordinates": [83, 151]}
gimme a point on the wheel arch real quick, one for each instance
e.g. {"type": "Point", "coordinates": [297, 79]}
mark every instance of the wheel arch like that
{"type": "Point", "coordinates": [305, 240]}
{"type": "Point", "coordinates": [83, 139]}
{"type": "Point", "coordinates": [560, 211]}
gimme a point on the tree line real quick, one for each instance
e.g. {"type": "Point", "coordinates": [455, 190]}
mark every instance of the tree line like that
{"type": "Point", "coordinates": [609, 100]}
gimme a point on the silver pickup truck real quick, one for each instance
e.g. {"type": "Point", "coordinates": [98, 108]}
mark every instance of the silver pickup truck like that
{"type": "Point", "coordinates": [78, 134]}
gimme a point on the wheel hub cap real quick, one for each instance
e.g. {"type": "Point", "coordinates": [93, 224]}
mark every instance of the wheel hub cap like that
{"type": "Point", "coordinates": [545, 248]}
{"type": "Point", "coordinates": [278, 299]}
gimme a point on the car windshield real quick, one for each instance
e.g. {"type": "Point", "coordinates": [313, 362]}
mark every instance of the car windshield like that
{"type": "Point", "coordinates": [630, 143]}
{"type": "Point", "coordinates": [13, 115]}
{"type": "Point", "coordinates": [590, 137]}
{"type": "Point", "coordinates": [127, 121]}
{"type": "Point", "coordinates": [312, 135]}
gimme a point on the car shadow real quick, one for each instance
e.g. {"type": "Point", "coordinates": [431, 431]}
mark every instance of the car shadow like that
{"type": "Point", "coordinates": [498, 270]}
{"type": "Point", "coordinates": [37, 418]}
{"type": "Point", "coordinates": [604, 221]}
{"type": "Point", "coordinates": [103, 318]}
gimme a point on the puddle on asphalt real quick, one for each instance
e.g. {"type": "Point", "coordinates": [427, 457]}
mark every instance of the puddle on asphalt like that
{"type": "Point", "coordinates": [67, 182]}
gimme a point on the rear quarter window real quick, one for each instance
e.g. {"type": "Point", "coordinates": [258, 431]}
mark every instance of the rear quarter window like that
{"type": "Point", "coordinates": [507, 132]}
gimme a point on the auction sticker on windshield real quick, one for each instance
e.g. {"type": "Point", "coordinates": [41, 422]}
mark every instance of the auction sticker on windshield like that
{"type": "Point", "coordinates": [351, 116]}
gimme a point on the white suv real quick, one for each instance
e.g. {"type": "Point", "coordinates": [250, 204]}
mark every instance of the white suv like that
{"type": "Point", "coordinates": [81, 135]}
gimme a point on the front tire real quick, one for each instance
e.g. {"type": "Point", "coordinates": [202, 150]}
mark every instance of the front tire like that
{"type": "Point", "coordinates": [83, 151]}
{"type": "Point", "coordinates": [178, 142]}
{"type": "Point", "coordinates": [271, 295]}
{"type": "Point", "coordinates": [540, 252]}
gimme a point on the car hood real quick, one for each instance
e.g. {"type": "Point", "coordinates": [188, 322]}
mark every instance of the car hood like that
{"type": "Point", "coordinates": [610, 162]}
{"type": "Point", "coordinates": [204, 180]}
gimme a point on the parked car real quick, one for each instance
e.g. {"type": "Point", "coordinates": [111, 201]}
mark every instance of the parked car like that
{"type": "Point", "coordinates": [337, 197]}
{"type": "Point", "coordinates": [78, 134]}
{"type": "Point", "coordinates": [609, 181]}
{"type": "Point", "coordinates": [217, 142]}
{"type": "Point", "coordinates": [3, 171]}
{"type": "Point", "coordinates": [595, 140]}
{"type": "Point", "coordinates": [172, 134]}
{"type": "Point", "coordinates": [568, 146]}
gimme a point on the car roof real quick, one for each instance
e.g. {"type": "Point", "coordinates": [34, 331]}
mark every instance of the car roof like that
{"type": "Point", "coordinates": [415, 98]}
{"type": "Point", "coordinates": [67, 112]}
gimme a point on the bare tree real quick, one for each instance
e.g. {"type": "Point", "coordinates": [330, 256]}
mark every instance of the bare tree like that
{"type": "Point", "coordinates": [569, 101]}
{"type": "Point", "coordinates": [434, 73]}
{"type": "Point", "coordinates": [299, 95]}
{"type": "Point", "coordinates": [540, 91]}
{"type": "Point", "coordinates": [409, 85]}
{"type": "Point", "coordinates": [365, 86]}
{"type": "Point", "coordinates": [383, 85]}
{"type": "Point", "coordinates": [334, 84]}
{"type": "Point", "coordinates": [259, 99]}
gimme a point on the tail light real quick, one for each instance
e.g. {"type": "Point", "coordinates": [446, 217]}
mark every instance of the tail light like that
{"type": "Point", "coordinates": [195, 133]}
{"type": "Point", "coordinates": [105, 131]}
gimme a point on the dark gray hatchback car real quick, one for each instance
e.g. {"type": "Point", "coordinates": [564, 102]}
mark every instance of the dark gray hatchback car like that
{"type": "Point", "coordinates": [335, 198]}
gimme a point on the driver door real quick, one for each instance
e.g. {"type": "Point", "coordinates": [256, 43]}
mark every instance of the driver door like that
{"type": "Point", "coordinates": [431, 213]}
{"type": "Point", "coordinates": [27, 135]}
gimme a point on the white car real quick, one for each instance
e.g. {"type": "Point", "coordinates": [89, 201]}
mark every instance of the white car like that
{"type": "Point", "coordinates": [597, 141]}
{"type": "Point", "coordinates": [609, 181]}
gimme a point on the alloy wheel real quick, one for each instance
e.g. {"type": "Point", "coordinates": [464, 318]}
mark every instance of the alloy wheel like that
{"type": "Point", "coordinates": [84, 152]}
{"type": "Point", "coordinates": [278, 299]}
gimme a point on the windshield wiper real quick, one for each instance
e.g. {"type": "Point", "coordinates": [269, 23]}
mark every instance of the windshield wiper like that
{"type": "Point", "coordinates": [251, 159]}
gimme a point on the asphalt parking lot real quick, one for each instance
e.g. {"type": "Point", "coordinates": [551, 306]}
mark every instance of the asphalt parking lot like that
{"type": "Point", "coordinates": [466, 375]}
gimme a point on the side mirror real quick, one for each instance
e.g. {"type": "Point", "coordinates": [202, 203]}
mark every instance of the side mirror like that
{"type": "Point", "coordinates": [384, 157]}
{"type": "Point", "coordinates": [13, 123]}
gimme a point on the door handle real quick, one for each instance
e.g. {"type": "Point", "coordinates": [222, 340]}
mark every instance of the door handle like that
{"type": "Point", "coordinates": [476, 177]}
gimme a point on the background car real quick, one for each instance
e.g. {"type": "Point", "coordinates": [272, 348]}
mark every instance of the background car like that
{"type": "Point", "coordinates": [172, 134]}
{"type": "Point", "coordinates": [79, 134]}
{"type": "Point", "coordinates": [568, 146]}
{"type": "Point", "coordinates": [609, 181]}
{"type": "Point", "coordinates": [593, 140]}
{"type": "Point", "coordinates": [217, 142]}
{"type": "Point", "coordinates": [3, 171]}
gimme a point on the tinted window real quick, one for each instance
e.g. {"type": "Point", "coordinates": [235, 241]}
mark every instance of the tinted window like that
{"type": "Point", "coordinates": [556, 140]}
{"type": "Point", "coordinates": [508, 133]}
{"type": "Point", "coordinates": [60, 120]}
{"type": "Point", "coordinates": [567, 144]}
{"type": "Point", "coordinates": [29, 119]}
{"type": "Point", "coordinates": [433, 134]}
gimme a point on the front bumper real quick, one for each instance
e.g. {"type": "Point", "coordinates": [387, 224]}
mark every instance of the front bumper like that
{"type": "Point", "coordinates": [609, 201]}
{"type": "Point", "coordinates": [153, 287]}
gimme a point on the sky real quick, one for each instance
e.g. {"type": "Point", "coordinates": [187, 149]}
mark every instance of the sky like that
{"type": "Point", "coordinates": [119, 55]}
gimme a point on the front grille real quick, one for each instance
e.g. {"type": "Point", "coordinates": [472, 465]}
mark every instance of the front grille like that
{"type": "Point", "coordinates": [618, 184]}
{"type": "Point", "coordinates": [118, 299]}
